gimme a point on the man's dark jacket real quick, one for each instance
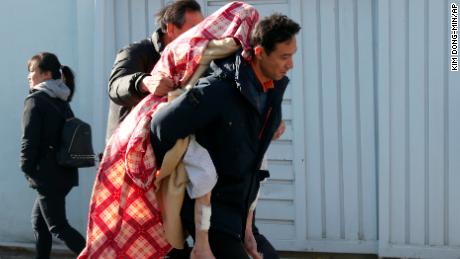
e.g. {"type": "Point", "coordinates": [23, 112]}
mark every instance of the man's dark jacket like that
{"type": "Point", "coordinates": [234, 119]}
{"type": "Point", "coordinates": [132, 64]}
{"type": "Point", "coordinates": [41, 136]}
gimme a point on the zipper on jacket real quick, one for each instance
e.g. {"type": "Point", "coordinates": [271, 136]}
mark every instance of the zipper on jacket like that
{"type": "Point", "coordinates": [265, 122]}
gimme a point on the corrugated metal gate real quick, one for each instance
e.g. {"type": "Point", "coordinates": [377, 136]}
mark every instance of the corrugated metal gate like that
{"type": "Point", "coordinates": [337, 127]}
{"type": "Point", "coordinates": [419, 131]}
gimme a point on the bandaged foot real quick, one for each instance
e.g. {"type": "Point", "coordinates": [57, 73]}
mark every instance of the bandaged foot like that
{"type": "Point", "coordinates": [201, 248]}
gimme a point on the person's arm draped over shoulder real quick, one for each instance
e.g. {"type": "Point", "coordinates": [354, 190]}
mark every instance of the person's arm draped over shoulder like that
{"type": "Point", "coordinates": [31, 130]}
{"type": "Point", "coordinates": [131, 65]}
{"type": "Point", "coordinates": [189, 112]}
{"type": "Point", "coordinates": [185, 115]}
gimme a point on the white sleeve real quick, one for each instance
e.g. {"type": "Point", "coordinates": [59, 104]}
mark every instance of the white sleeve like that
{"type": "Point", "coordinates": [264, 164]}
{"type": "Point", "coordinates": [200, 169]}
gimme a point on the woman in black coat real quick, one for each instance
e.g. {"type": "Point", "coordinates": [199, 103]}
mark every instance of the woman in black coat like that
{"type": "Point", "coordinates": [45, 109]}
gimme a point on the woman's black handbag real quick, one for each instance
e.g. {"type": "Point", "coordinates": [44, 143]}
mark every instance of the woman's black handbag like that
{"type": "Point", "coordinates": [76, 146]}
{"type": "Point", "coordinates": [76, 149]}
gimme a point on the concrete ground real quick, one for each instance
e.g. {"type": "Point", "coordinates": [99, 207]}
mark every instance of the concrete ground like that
{"type": "Point", "coordinates": [27, 252]}
{"type": "Point", "coordinates": [8, 252]}
{"type": "Point", "coordinates": [21, 253]}
{"type": "Point", "coordinates": [291, 255]}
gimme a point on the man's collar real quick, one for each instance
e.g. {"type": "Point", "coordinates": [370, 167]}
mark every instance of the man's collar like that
{"type": "Point", "coordinates": [157, 40]}
{"type": "Point", "coordinates": [267, 85]}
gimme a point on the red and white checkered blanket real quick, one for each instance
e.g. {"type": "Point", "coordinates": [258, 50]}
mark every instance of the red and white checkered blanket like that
{"type": "Point", "coordinates": [124, 216]}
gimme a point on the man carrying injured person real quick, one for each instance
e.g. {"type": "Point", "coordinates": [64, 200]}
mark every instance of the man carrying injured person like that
{"type": "Point", "coordinates": [233, 113]}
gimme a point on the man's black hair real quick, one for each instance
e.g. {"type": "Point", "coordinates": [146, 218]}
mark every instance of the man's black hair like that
{"type": "Point", "coordinates": [272, 30]}
{"type": "Point", "coordinates": [175, 13]}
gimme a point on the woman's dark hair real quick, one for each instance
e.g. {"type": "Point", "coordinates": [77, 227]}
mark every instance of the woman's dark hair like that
{"type": "Point", "coordinates": [46, 61]}
{"type": "Point", "coordinates": [272, 30]}
{"type": "Point", "coordinates": [175, 13]}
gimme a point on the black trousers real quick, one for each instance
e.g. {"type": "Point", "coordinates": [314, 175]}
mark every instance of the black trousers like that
{"type": "Point", "coordinates": [49, 219]}
{"type": "Point", "coordinates": [226, 246]}
{"type": "Point", "coordinates": [264, 247]}
{"type": "Point", "coordinates": [223, 246]}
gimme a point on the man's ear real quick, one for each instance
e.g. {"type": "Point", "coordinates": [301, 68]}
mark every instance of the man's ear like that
{"type": "Point", "coordinates": [170, 29]}
{"type": "Point", "coordinates": [258, 51]}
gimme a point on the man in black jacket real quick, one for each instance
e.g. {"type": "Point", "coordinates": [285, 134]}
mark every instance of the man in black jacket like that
{"type": "Point", "coordinates": [130, 80]}
{"type": "Point", "coordinates": [234, 114]}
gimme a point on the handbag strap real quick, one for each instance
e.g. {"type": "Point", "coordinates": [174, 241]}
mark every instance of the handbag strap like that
{"type": "Point", "coordinates": [52, 104]}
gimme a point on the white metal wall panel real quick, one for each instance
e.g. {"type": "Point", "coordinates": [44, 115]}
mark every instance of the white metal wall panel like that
{"type": "Point", "coordinates": [135, 20]}
{"type": "Point", "coordinates": [338, 72]}
{"type": "Point", "coordinates": [83, 105]}
{"type": "Point", "coordinates": [419, 144]}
